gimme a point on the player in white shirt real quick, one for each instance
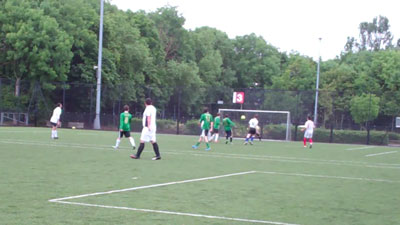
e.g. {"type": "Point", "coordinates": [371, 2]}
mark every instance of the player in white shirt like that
{"type": "Point", "coordinates": [253, 123]}
{"type": "Point", "coordinates": [309, 128]}
{"type": "Point", "coordinates": [148, 131]}
{"type": "Point", "coordinates": [55, 120]}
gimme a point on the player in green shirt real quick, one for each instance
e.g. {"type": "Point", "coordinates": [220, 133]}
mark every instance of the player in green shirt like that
{"type": "Point", "coordinates": [206, 123]}
{"type": "Point", "coordinates": [228, 124]}
{"type": "Point", "coordinates": [125, 127]}
{"type": "Point", "coordinates": [215, 131]}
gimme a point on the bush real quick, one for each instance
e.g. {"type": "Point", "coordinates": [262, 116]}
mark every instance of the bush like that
{"type": "Point", "coordinates": [323, 135]}
{"type": "Point", "coordinates": [275, 131]}
{"type": "Point", "coordinates": [394, 136]}
{"type": "Point", "coordinates": [191, 127]}
{"type": "Point", "coordinates": [136, 124]}
{"type": "Point", "coordinates": [239, 130]}
{"type": "Point", "coordinates": [166, 126]}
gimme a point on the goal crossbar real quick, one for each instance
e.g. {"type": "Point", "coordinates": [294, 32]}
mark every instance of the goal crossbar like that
{"type": "Point", "coordinates": [264, 111]}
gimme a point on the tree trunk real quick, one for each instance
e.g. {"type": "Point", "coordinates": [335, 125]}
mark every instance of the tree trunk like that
{"type": "Point", "coordinates": [341, 121]}
{"type": "Point", "coordinates": [323, 118]}
{"type": "Point", "coordinates": [17, 93]}
{"type": "Point", "coordinates": [17, 87]}
{"type": "Point", "coordinates": [393, 121]}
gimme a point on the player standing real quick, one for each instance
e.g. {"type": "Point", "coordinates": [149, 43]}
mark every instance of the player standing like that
{"type": "Point", "coordinates": [309, 128]}
{"type": "Point", "coordinates": [206, 123]}
{"type": "Point", "coordinates": [215, 131]}
{"type": "Point", "coordinates": [148, 131]}
{"type": "Point", "coordinates": [228, 124]}
{"type": "Point", "coordinates": [125, 119]}
{"type": "Point", "coordinates": [55, 120]}
{"type": "Point", "coordinates": [253, 123]}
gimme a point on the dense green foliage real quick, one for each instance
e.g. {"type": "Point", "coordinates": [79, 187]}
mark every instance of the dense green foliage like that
{"type": "Point", "coordinates": [50, 41]}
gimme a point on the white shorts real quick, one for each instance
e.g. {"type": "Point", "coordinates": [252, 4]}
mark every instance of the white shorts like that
{"type": "Point", "coordinates": [147, 135]}
{"type": "Point", "coordinates": [308, 134]}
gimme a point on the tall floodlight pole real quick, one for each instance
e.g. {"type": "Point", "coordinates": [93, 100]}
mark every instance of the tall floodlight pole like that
{"type": "Point", "coordinates": [317, 84]}
{"type": "Point", "coordinates": [96, 123]}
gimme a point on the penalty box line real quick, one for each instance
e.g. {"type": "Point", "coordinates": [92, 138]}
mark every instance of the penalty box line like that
{"type": "Point", "coordinates": [150, 186]}
{"type": "Point", "coordinates": [62, 201]}
{"type": "Point", "coordinates": [177, 213]}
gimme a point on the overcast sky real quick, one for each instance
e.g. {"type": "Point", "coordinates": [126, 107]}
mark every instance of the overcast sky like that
{"type": "Point", "coordinates": [289, 25]}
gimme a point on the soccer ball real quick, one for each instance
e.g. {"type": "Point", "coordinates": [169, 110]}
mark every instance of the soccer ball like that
{"type": "Point", "coordinates": [73, 127]}
{"type": "Point", "coordinates": [243, 117]}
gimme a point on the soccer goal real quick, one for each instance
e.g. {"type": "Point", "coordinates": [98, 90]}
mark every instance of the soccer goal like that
{"type": "Point", "coordinates": [273, 124]}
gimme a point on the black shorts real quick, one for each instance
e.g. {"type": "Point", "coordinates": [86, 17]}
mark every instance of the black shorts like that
{"type": "Point", "coordinates": [252, 131]}
{"type": "Point", "coordinates": [124, 133]}
{"type": "Point", "coordinates": [228, 133]}
{"type": "Point", "coordinates": [205, 132]}
{"type": "Point", "coordinates": [215, 131]}
{"type": "Point", "coordinates": [53, 124]}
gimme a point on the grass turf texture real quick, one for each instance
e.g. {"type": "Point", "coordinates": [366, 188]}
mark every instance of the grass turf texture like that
{"type": "Point", "coordinates": [328, 184]}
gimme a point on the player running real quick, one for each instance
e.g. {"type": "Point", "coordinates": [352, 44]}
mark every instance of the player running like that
{"type": "Point", "coordinates": [215, 131]}
{"type": "Point", "coordinates": [309, 128]}
{"type": "Point", "coordinates": [228, 124]}
{"type": "Point", "coordinates": [125, 119]}
{"type": "Point", "coordinates": [253, 123]}
{"type": "Point", "coordinates": [206, 123]}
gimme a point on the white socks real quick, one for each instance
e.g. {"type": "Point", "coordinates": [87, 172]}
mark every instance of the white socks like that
{"type": "Point", "coordinates": [117, 142]}
{"type": "Point", "coordinates": [132, 141]}
{"type": "Point", "coordinates": [54, 134]}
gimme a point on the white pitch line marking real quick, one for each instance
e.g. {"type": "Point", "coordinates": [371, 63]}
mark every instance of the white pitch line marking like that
{"type": "Point", "coordinates": [61, 200]}
{"type": "Point", "coordinates": [178, 213]}
{"type": "Point", "coordinates": [322, 162]}
{"type": "Point", "coordinates": [330, 177]}
{"type": "Point", "coordinates": [382, 153]}
{"type": "Point", "coordinates": [150, 186]}
{"type": "Point", "coordinates": [225, 155]}
{"type": "Point", "coordinates": [134, 178]}
{"type": "Point", "coordinates": [360, 148]}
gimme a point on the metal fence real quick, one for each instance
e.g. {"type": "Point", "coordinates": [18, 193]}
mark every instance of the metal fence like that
{"type": "Point", "coordinates": [176, 110]}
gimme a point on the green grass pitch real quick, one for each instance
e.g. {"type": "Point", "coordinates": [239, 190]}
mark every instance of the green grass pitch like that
{"type": "Point", "coordinates": [80, 179]}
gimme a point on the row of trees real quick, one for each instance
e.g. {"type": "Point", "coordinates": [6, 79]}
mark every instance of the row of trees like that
{"type": "Point", "coordinates": [50, 41]}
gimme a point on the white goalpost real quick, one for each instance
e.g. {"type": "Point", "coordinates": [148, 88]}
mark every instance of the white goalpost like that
{"type": "Point", "coordinates": [286, 121]}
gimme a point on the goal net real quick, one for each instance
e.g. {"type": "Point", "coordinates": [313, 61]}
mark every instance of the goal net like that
{"type": "Point", "coordinates": [273, 124]}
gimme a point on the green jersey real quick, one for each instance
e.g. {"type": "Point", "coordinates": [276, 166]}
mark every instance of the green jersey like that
{"type": "Point", "coordinates": [217, 122]}
{"type": "Point", "coordinates": [206, 119]}
{"type": "Point", "coordinates": [125, 121]}
{"type": "Point", "coordinates": [228, 124]}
